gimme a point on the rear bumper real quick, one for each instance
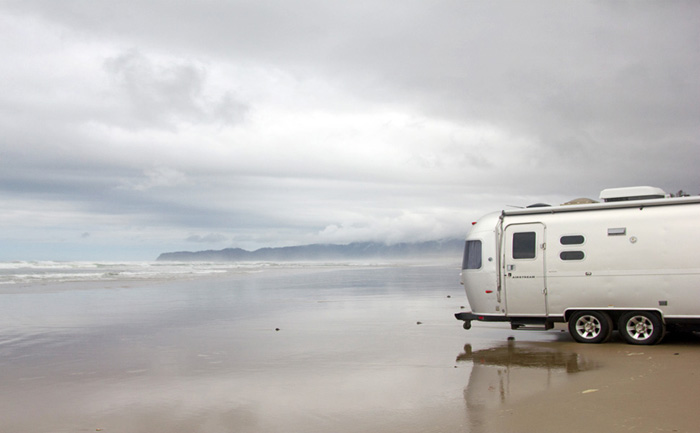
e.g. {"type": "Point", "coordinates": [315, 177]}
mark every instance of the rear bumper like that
{"type": "Point", "coordinates": [468, 317]}
{"type": "Point", "coordinates": [481, 317]}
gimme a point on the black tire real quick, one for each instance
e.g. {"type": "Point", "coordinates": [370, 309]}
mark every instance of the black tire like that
{"type": "Point", "coordinates": [641, 327]}
{"type": "Point", "coordinates": [590, 326]}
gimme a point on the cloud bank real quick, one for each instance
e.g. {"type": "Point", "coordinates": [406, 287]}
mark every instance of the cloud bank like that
{"type": "Point", "coordinates": [153, 125]}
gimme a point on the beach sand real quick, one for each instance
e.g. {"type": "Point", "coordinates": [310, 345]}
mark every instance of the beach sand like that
{"type": "Point", "coordinates": [631, 388]}
{"type": "Point", "coordinates": [341, 349]}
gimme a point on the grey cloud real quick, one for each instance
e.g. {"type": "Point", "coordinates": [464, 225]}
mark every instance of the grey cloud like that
{"type": "Point", "coordinates": [166, 93]}
{"type": "Point", "coordinates": [275, 122]}
{"type": "Point", "coordinates": [542, 67]}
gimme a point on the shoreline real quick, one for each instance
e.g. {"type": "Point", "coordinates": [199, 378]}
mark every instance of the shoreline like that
{"type": "Point", "coordinates": [302, 349]}
{"type": "Point", "coordinates": [128, 274]}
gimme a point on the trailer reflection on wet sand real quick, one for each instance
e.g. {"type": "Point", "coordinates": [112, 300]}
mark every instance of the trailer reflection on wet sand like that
{"type": "Point", "coordinates": [550, 386]}
{"type": "Point", "coordinates": [514, 371]}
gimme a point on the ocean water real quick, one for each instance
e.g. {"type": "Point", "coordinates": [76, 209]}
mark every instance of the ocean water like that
{"type": "Point", "coordinates": [21, 272]}
{"type": "Point", "coordinates": [260, 347]}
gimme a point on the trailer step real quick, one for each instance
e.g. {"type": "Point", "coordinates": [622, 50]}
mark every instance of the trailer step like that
{"type": "Point", "coordinates": [546, 326]}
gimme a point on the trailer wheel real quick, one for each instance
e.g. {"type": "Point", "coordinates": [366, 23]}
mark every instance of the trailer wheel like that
{"type": "Point", "coordinates": [590, 326]}
{"type": "Point", "coordinates": [641, 327]}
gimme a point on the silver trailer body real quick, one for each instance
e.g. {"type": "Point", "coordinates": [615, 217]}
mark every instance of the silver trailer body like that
{"type": "Point", "coordinates": [629, 265]}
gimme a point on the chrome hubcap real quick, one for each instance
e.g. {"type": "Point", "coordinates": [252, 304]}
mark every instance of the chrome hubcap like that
{"type": "Point", "coordinates": [588, 327]}
{"type": "Point", "coordinates": [640, 327]}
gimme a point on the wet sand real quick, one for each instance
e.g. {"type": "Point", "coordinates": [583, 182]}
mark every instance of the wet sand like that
{"type": "Point", "coordinates": [316, 350]}
{"type": "Point", "coordinates": [631, 388]}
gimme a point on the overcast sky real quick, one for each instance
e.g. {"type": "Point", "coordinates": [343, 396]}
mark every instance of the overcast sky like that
{"type": "Point", "coordinates": [136, 127]}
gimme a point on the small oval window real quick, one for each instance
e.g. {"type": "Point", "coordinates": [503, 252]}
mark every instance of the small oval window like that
{"type": "Point", "coordinates": [572, 240]}
{"type": "Point", "coordinates": [571, 255]}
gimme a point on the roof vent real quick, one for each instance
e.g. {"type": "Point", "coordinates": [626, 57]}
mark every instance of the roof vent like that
{"type": "Point", "coordinates": [539, 205]}
{"type": "Point", "coordinates": [582, 200]}
{"type": "Point", "coordinates": [631, 193]}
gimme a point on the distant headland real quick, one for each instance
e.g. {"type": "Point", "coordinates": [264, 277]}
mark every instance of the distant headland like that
{"type": "Point", "coordinates": [353, 251]}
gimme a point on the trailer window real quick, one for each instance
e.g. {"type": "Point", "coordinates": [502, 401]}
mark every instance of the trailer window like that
{"type": "Point", "coordinates": [571, 255]}
{"type": "Point", "coordinates": [571, 240]}
{"type": "Point", "coordinates": [472, 255]}
{"type": "Point", "coordinates": [524, 245]}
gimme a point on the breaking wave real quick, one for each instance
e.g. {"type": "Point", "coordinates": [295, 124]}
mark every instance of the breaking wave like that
{"type": "Point", "coordinates": [20, 272]}
{"type": "Point", "coordinates": [32, 272]}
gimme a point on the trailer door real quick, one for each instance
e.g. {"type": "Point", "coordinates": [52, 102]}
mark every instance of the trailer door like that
{"type": "Point", "coordinates": [524, 270]}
